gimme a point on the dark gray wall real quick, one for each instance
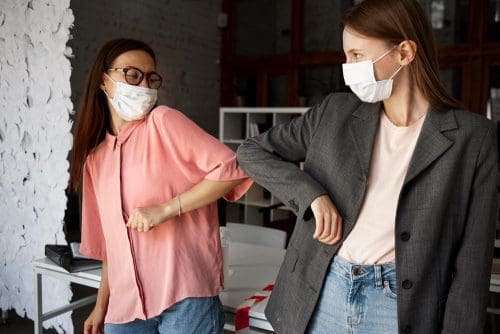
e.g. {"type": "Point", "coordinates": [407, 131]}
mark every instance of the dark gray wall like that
{"type": "Point", "coordinates": [184, 35]}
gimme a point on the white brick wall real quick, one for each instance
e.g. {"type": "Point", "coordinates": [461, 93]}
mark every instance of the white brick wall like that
{"type": "Point", "coordinates": [34, 142]}
{"type": "Point", "coordinates": [183, 34]}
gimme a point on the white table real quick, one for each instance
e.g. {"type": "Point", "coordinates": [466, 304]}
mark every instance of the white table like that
{"type": "Point", "coordinates": [251, 267]}
{"type": "Point", "coordinates": [46, 267]}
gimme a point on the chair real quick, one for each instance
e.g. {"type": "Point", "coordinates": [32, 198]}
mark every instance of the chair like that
{"type": "Point", "coordinates": [259, 235]}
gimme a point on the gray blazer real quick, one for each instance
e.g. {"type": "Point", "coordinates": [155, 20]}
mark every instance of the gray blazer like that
{"type": "Point", "coordinates": [445, 222]}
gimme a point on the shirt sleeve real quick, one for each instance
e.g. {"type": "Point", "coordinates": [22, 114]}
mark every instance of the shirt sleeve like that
{"type": "Point", "coordinates": [199, 153]}
{"type": "Point", "coordinates": [92, 238]}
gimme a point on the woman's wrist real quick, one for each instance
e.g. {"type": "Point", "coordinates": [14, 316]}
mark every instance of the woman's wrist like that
{"type": "Point", "coordinates": [101, 306]}
{"type": "Point", "coordinates": [171, 208]}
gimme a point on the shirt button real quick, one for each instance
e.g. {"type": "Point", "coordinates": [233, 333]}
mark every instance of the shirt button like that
{"type": "Point", "coordinates": [405, 236]}
{"type": "Point", "coordinates": [407, 284]}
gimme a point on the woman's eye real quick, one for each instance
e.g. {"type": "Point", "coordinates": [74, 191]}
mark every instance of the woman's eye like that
{"type": "Point", "coordinates": [134, 76]}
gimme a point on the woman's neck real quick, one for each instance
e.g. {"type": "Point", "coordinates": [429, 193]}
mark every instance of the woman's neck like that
{"type": "Point", "coordinates": [117, 123]}
{"type": "Point", "coordinates": [407, 104]}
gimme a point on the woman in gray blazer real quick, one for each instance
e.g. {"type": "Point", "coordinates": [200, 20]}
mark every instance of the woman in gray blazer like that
{"type": "Point", "coordinates": [396, 202]}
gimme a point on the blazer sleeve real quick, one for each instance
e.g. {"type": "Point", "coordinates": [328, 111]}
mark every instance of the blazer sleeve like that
{"type": "Point", "coordinates": [466, 304]}
{"type": "Point", "coordinates": [271, 159]}
{"type": "Point", "coordinates": [92, 238]}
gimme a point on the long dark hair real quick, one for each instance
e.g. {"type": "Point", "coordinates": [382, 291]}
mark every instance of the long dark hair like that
{"type": "Point", "coordinates": [93, 113]}
{"type": "Point", "coordinates": [395, 21]}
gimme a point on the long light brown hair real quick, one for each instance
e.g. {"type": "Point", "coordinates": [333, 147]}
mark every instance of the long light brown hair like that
{"type": "Point", "coordinates": [93, 113]}
{"type": "Point", "coordinates": [395, 21]}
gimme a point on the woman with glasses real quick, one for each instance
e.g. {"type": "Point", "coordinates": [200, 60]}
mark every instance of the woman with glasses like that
{"type": "Point", "coordinates": [150, 178]}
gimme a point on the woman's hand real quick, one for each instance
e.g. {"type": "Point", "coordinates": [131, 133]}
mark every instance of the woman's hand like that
{"type": "Point", "coordinates": [328, 220]}
{"type": "Point", "coordinates": [95, 322]}
{"type": "Point", "coordinates": [144, 219]}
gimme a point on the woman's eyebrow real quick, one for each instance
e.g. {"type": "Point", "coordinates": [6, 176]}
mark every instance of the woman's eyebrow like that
{"type": "Point", "coordinates": [354, 50]}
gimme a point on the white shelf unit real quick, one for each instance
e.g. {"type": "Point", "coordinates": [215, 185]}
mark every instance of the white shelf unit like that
{"type": "Point", "coordinates": [236, 125]}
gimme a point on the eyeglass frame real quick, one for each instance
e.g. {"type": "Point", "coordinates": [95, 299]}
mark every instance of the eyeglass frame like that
{"type": "Point", "coordinates": [147, 75]}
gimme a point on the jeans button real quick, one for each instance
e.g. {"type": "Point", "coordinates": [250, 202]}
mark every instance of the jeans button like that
{"type": "Point", "coordinates": [357, 271]}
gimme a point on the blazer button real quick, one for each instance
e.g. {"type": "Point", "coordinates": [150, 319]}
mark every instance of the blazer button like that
{"type": "Point", "coordinates": [405, 236]}
{"type": "Point", "coordinates": [293, 205]}
{"type": "Point", "coordinates": [407, 284]}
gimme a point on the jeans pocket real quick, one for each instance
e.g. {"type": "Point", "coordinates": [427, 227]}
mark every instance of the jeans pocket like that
{"type": "Point", "coordinates": [390, 289]}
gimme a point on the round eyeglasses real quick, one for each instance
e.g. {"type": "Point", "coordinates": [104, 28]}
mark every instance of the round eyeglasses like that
{"type": "Point", "coordinates": [134, 76]}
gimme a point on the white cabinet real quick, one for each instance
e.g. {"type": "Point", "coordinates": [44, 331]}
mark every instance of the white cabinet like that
{"type": "Point", "coordinates": [235, 125]}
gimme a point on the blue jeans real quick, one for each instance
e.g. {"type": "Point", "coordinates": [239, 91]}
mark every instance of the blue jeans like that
{"type": "Point", "coordinates": [357, 299]}
{"type": "Point", "coordinates": [191, 315]}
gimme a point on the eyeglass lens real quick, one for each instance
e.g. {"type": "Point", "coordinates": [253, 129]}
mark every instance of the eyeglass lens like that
{"type": "Point", "coordinates": [134, 76]}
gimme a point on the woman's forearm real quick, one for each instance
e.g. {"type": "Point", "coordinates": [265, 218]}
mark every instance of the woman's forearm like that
{"type": "Point", "coordinates": [203, 193]}
{"type": "Point", "coordinates": [103, 292]}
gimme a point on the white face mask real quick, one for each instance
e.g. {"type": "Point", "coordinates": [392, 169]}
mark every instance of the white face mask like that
{"type": "Point", "coordinates": [360, 77]}
{"type": "Point", "coordinates": [132, 102]}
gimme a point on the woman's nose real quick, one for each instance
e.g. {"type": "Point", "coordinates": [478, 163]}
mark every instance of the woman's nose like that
{"type": "Point", "coordinates": [144, 82]}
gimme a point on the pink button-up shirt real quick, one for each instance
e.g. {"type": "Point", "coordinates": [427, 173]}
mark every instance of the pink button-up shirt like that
{"type": "Point", "coordinates": [149, 162]}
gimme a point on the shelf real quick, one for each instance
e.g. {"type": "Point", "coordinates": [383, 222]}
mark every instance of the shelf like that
{"type": "Point", "coordinates": [233, 127]}
{"type": "Point", "coordinates": [233, 141]}
{"type": "Point", "coordinates": [245, 122]}
{"type": "Point", "coordinates": [264, 203]}
{"type": "Point", "coordinates": [284, 208]}
{"type": "Point", "coordinates": [263, 110]}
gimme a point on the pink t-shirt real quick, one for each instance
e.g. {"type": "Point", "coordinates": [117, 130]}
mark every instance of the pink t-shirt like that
{"type": "Point", "coordinates": [371, 241]}
{"type": "Point", "coordinates": [149, 162]}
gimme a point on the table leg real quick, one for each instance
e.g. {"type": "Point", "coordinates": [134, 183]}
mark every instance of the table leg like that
{"type": "Point", "coordinates": [5, 316]}
{"type": "Point", "coordinates": [38, 304]}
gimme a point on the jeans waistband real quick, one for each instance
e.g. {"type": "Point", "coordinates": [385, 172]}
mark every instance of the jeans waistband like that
{"type": "Point", "coordinates": [377, 273]}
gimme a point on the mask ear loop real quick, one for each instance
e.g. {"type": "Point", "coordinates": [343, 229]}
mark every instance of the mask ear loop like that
{"type": "Point", "coordinates": [395, 73]}
{"type": "Point", "coordinates": [385, 54]}
{"type": "Point", "coordinates": [104, 90]}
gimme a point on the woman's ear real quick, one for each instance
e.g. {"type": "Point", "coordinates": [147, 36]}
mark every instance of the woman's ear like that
{"type": "Point", "coordinates": [407, 51]}
{"type": "Point", "coordinates": [103, 83]}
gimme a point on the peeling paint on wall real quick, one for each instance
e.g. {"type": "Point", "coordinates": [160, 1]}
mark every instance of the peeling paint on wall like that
{"type": "Point", "coordinates": [35, 137]}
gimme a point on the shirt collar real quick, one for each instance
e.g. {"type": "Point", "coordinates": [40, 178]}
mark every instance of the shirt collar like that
{"type": "Point", "coordinates": [123, 135]}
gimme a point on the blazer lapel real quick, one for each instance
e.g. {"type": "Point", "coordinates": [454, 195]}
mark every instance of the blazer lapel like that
{"type": "Point", "coordinates": [363, 127]}
{"type": "Point", "coordinates": [431, 143]}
